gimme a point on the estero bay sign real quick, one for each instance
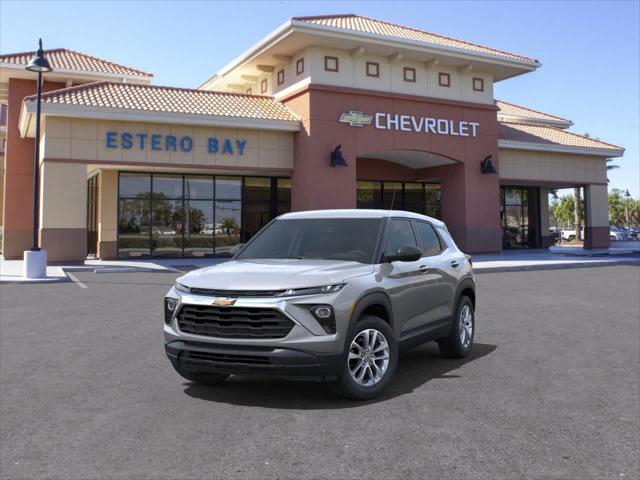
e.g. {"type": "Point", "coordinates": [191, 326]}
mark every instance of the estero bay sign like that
{"type": "Point", "coordinates": [171, 143]}
{"type": "Point", "coordinates": [411, 123]}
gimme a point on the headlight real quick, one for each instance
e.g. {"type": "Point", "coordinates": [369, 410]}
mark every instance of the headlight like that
{"type": "Point", "coordinates": [294, 292]}
{"type": "Point", "coordinates": [170, 305]}
{"type": "Point", "coordinates": [182, 288]}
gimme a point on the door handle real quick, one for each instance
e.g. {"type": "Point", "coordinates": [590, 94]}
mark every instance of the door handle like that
{"type": "Point", "coordinates": [455, 263]}
{"type": "Point", "coordinates": [423, 269]}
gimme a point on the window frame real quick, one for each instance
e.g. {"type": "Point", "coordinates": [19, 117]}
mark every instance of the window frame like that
{"type": "Point", "coordinates": [280, 76]}
{"type": "Point", "coordinates": [407, 70]}
{"type": "Point", "coordinates": [264, 85]}
{"type": "Point", "coordinates": [443, 75]}
{"type": "Point", "coordinates": [480, 82]}
{"type": "Point", "coordinates": [414, 221]}
{"type": "Point", "coordinates": [300, 66]}
{"type": "Point", "coordinates": [327, 59]}
{"type": "Point", "coordinates": [377, 67]}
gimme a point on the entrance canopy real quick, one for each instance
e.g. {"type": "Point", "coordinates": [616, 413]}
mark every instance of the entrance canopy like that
{"type": "Point", "coordinates": [410, 158]}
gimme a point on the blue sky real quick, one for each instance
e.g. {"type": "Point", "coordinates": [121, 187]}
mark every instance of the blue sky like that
{"type": "Point", "coordinates": [589, 50]}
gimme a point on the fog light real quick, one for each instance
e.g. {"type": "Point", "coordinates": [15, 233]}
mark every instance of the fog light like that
{"type": "Point", "coordinates": [170, 305]}
{"type": "Point", "coordinates": [324, 315]}
{"type": "Point", "coordinates": [322, 312]}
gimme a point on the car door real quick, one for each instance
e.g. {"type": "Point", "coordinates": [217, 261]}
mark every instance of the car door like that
{"type": "Point", "coordinates": [438, 284]}
{"type": "Point", "coordinates": [404, 282]}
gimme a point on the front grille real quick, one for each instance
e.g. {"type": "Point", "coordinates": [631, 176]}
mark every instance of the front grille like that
{"type": "Point", "coordinates": [222, 322]}
{"type": "Point", "coordinates": [206, 359]}
{"type": "Point", "coordinates": [234, 293]}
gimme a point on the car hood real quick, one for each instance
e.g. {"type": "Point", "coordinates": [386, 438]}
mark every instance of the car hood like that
{"type": "Point", "coordinates": [273, 274]}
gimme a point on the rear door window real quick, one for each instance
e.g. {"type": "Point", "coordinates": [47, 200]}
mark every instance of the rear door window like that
{"type": "Point", "coordinates": [399, 234]}
{"type": "Point", "coordinates": [429, 240]}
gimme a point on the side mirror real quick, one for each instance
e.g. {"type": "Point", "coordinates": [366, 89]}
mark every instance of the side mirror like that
{"type": "Point", "coordinates": [406, 253]}
{"type": "Point", "coordinates": [236, 248]}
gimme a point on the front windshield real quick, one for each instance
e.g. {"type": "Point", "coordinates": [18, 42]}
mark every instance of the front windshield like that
{"type": "Point", "coordinates": [348, 239]}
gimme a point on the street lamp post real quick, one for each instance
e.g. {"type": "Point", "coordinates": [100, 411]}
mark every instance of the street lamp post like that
{"type": "Point", "coordinates": [626, 208]}
{"type": "Point", "coordinates": [35, 260]}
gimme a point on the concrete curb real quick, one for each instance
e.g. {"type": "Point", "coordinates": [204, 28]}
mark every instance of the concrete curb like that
{"type": "Point", "coordinates": [555, 266]}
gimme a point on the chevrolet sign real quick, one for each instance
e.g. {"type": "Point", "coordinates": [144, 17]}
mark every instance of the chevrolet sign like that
{"type": "Point", "coordinates": [355, 119]}
{"type": "Point", "coordinates": [224, 302]}
{"type": "Point", "coordinates": [410, 123]}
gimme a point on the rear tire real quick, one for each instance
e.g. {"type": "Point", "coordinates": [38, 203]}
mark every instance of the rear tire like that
{"type": "Point", "coordinates": [460, 341]}
{"type": "Point", "coordinates": [370, 360]}
{"type": "Point", "coordinates": [202, 378]}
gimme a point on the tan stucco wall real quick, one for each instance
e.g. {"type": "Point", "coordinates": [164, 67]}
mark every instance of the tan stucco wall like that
{"type": "Point", "coordinates": [108, 206]}
{"type": "Point", "coordinates": [80, 139]}
{"type": "Point", "coordinates": [552, 167]}
{"type": "Point", "coordinates": [597, 212]}
{"type": "Point", "coordinates": [352, 74]}
{"type": "Point", "coordinates": [63, 195]}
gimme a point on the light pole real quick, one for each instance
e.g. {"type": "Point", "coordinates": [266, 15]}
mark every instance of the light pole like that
{"type": "Point", "coordinates": [35, 260]}
{"type": "Point", "coordinates": [626, 208]}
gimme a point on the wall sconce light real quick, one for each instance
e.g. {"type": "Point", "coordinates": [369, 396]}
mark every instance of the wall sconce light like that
{"type": "Point", "coordinates": [486, 166]}
{"type": "Point", "coordinates": [337, 160]}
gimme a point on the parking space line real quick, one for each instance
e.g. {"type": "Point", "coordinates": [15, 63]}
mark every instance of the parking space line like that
{"type": "Point", "coordinates": [75, 280]}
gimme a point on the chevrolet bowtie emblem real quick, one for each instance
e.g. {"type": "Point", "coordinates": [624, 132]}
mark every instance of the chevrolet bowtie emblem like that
{"type": "Point", "coordinates": [224, 302]}
{"type": "Point", "coordinates": [356, 119]}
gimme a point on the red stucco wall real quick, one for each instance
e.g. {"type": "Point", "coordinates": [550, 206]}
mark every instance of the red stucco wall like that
{"type": "Point", "coordinates": [470, 200]}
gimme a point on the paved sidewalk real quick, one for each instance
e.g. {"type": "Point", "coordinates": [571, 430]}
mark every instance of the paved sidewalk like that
{"type": "Point", "coordinates": [543, 259]}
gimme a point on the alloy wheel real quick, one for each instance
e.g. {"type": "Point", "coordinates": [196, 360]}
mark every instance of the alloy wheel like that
{"type": "Point", "coordinates": [368, 357]}
{"type": "Point", "coordinates": [466, 326]}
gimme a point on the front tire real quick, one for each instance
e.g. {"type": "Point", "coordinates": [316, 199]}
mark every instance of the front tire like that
{"type": "Point", "coordinates": [370, 360]}
{"type": "Point", "coordinates": [202, 378]}
{"type": "Point", "coordinates": [460, 341]}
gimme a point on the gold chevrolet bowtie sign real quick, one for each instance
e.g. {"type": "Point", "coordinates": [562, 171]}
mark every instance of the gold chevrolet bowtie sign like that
{"type": "Point", "coordinates": [224, 302]}
{"type": "Point", "coordinates": [356, 119]}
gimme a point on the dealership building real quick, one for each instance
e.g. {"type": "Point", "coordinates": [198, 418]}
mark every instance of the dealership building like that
{"type": "Point", "coordinates": [337, 111]}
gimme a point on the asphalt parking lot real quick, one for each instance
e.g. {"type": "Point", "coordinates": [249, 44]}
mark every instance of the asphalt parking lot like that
{"type": "Point", "coordinates": [550, 391]}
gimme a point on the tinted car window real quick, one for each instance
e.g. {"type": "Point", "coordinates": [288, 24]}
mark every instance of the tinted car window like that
{"type": "Point", "coordinates": [400, 234]}
{"type": "Point", "coordinates": [350, 239]}
{"type": "Point", "coordinates": [429, 240]}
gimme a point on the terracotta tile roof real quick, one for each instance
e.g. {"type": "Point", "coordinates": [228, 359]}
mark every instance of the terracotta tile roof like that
{"type": "Point", "coordinates": [370, 25]}
{"type": "Point", "coordinates": [517, 132]}
{"type": "Point", "coordinates": [512, 110]}
{"type": "Point", "coordinates": [65, 59]}
{"type": "Point", "coordinates": [152, 98]}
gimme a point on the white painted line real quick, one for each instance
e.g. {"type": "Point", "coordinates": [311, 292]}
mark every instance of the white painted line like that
{"type": "Point", "coordinates": [75, 280]}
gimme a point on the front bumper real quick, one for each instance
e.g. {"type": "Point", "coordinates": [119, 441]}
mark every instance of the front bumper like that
{"type": "Point", "coordinates": [251, 359]}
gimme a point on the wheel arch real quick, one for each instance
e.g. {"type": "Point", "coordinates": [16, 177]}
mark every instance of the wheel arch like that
{"type": "Point", "coordinates": [467, 288]}
{"type": "Point", "coordinates": [377, 304]}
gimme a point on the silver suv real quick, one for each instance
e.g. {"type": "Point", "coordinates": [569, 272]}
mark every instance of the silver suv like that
{"type": "Point", "coordinates": [330, 293]}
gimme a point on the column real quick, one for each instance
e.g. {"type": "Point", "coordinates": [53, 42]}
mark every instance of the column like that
{"type": "Point", "coordinates": [315, 184]}
{"type": "Point", "coordinates": [63, 211]}
{"type": "Point", "coordinates": [596, 216]}
{"type": "Point", "coordinates": [546, 240]}
{"type": "Point", "coordinates": [107, 214]}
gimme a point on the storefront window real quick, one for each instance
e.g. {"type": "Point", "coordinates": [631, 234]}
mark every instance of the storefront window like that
{"type": "Point", "coordinates": [283, 195]}
{"type": "Point", "coordinates": [133, 227]}
{"type": "Point", "coordinates": [432, 193]}
{"type": "Point", "coordinates": [414, 197]}
{"type": "Point", "coordinates": [418, 197]}
{"type": "Point", "coordinates": [257, 205]}
{"type": "Point", "coordinates": [172, 215]}
{"type": "Point", "coordinates": [369, 194]}
{"type": "Point", "coordinates": [392, 195]}
{"type": "Point", "coordinates": [519, 218]}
